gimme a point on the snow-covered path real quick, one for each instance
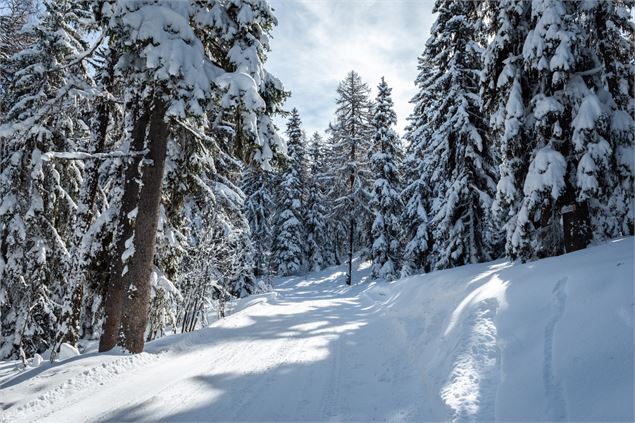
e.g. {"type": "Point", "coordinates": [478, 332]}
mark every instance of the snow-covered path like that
{"type": "Point", "coordinates": [551, 340]}
{"type": "Point", "coordinates": [311, 351]}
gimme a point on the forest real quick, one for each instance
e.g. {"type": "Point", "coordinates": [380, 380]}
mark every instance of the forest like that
{"type": "Point", "coordinates": [144, 182]}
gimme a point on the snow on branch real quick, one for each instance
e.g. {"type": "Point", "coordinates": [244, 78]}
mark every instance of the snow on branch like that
{"type": "Point", "coordinates": [79, 155]}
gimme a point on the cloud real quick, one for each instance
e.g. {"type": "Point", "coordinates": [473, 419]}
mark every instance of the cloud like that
{"type": "Point", "coordinates": [317, 42]}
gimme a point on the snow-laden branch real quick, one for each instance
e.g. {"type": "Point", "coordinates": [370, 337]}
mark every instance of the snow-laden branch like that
{"type": "Point", "coordinates": [79, 155]}
{"type": "Point", "coordinates": [84, 55]}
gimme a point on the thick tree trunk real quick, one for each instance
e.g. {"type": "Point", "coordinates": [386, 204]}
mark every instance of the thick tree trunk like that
{"type": "Point", "coordinates": [117, 284]}
{"type": "Point", "coordinates": [139, 265]}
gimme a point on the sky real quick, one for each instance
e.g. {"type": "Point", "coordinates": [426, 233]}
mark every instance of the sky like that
{"type": "Point", "coordinates": [317, 42]}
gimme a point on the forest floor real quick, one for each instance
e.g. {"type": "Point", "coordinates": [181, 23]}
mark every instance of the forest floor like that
{"type": "Point", "coordinates": [544, 341]}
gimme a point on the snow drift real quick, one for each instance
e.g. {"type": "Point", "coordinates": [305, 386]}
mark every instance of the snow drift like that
{"type": "Point", "coordinates": [543, 341]}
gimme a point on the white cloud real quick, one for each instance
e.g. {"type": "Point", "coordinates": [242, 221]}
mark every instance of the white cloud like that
{"type": "Point", "coordinates": [318, 42]}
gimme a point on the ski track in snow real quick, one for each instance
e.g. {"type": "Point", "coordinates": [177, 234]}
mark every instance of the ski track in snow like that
{"type": "Point", "coordinates": [471, 390]}
{"type": "Point", "coordinates": [556, 405]}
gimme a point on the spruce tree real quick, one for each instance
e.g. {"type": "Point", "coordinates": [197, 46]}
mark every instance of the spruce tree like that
{"type": "Point", "coordinates": [460, 163]}
{"type": "Point", "coordinates": [318, 248]}
{"type": "Point", "coordinates": [259, 210]}
{"type": "Point", "coordinates": [604, 131]}
{"type": "Point", "coordinates": [418, 192]}
{"type": "Point", "coordinates": [385, 202]}
{"type": "Point", "coordinates": [38, 192]}
{"type": "Point", "coordinates": [164, 92]}
{"type": "Point", "coordinates": [503, 84]}
{"type": "Point", "coordinates": [289, 245]}
{"type": "Point", "coordinates": [559, 105]}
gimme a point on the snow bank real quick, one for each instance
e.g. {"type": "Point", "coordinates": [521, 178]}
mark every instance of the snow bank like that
{"type": "Point", "coordinates": [545, 341]}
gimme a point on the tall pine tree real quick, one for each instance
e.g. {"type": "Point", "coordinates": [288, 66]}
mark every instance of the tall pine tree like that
{"type": "Point", "coordinates": [352, 136]}
{"type": "Point", "coordinates": [38, 192]}
{"type": "Point", "coordinates": [459, 159]}
{"type": "Point", "coordinates": [289, 246]}
{"type": "Point", "coordinates": [316, 216]}
{"type": "Point", "coordinates": [385, 201]}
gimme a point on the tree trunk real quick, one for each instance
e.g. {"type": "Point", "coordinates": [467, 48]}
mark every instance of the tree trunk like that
{"type": "Point", "coordinates": [349, 276]}
{"type": "Point", "coordinates": [576, 226]}
{"type": "Point", "coordinates": [114, 295]}
{"type": "Point", "coordinates": [137, 298]}
{"type": "Point", "coordinates": [70, 329]}
{"type": "Point", "coordinates": [576, 222]}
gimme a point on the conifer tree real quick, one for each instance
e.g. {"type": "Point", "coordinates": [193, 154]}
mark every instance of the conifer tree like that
{"type": "Point", "coordinates": [165, 91]}
{"type": "Point", "coordinates": [461, 164]}
{"type": "Point", "coordinates": [318, 251]}
{"type": "Point", "coordinates": [289, 246]}
{"type": "Point", "coordinates": [556, 90]}
{"type": "Point", "coordinates": [503, 84]}
{"type": "Point", "coordinates": [385, 202]}
{"type": "Point", "coordinates": [336, 227]}
{"type": "Point", "coordinates": [87, 243]}
{"type": "Point", "coordinates": [38, 192]}
{"type": "Point", "coordinates": [549, 57]}
{"type": "Point", "coordinates": [418, 191]}
{"type": "Point", "coordinates": [259, 210]}
{"type": "Point", "coordinates": [352, 136]}
{"type": "Point", "coordinates": [605, 118]}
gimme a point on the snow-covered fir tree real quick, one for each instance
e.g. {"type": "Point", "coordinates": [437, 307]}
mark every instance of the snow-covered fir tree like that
{"type": "Point", "coordinates": [352, 137]}
{"type": "Point", "coordinates": [217, 89]}
{"type": "Point", "coordinates": [289, 248]}
{"type": "Point", "coordinates": [91, 234]}
{"type": "Point", "coordinates": [503, 82]}
{"type": "Point", "coordinates": [549, 51]}
{"type": "Point", "coordinates": [385, 201]}
{"type": "Point", "coordinates": [566, 187]}
{"type": "Point", "coordinates": [556, 90]}
{"type": "Point", "coordinates": [14, 14]}
{"type": "Point", "coordinates": [458, 157]}
{"type": "Point", "coordinates": [316, 215]}
{"type": "Point", "coordinates": [258, 185]}
{"type": "Point", "coordinates": [157, 86]}
{"type": "Point", "coordinates": [38, 192]}
{"type": "Point", "coordinates": [603, 129]}
{"type": "Point", "coordinates": [418, 192]}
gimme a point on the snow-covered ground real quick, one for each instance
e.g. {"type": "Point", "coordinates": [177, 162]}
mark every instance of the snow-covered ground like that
{"type": "Point", "coordinates": [549, 340]}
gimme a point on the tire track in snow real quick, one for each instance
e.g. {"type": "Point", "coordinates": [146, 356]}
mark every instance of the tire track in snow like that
{"type": "Point", "coordinates": [227, 359]}
{"type": "Point", "coordinates": [332, 394]}
{"type": "Point", "coordinates": [267, 377]}
{"type": "Point", "coordinates": [471, 390]}
{"type": "Point", "coordinates": [556, 404]}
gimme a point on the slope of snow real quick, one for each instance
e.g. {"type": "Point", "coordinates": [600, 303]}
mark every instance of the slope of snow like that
{"type": "Point", "coordinates": [544, 341]}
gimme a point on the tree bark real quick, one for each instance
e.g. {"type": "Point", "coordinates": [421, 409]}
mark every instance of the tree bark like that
{"type": "Point", "coordinates": [113, 306]}
{"type": "Point", "coordinates": [137, 298]}
{"type": "Point", "coordinates": [349, 276]}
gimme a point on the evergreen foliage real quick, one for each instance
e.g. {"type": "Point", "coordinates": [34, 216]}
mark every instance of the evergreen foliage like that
{"type": "Point", "coordinates": [385, 201]}
{"type": "Point", "coordinates": [289, 245]}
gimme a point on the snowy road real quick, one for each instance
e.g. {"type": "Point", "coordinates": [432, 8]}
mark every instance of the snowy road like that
{"type": "Point", "coordinates": [551, 340]}
{"type": "Point", "coordinates": [312, 351]}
